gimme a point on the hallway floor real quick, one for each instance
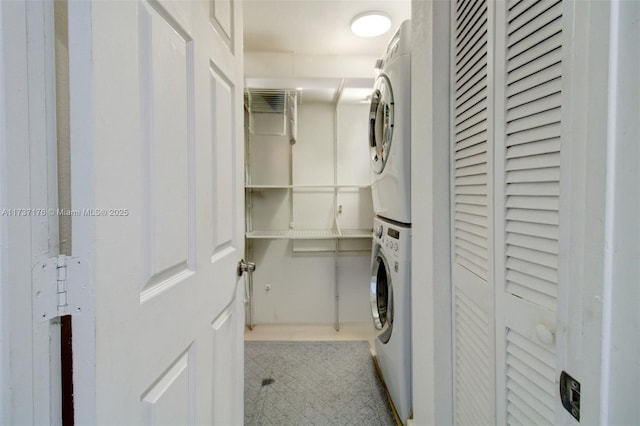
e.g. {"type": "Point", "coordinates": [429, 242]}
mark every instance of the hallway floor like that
{"type": "Point", "coordinates": [312, 374]}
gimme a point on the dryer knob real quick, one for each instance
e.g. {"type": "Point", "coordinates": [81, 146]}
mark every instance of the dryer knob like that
{"type": "Point", "coordinates": [379, 232]}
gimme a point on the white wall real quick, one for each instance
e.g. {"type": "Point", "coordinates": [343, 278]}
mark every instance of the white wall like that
{"type": "Point", "coordinates": [431, 282]}
{"type": "Point", "coordinates": [621, 328]}
{"type": "Point", "coordinates": [301, 273]}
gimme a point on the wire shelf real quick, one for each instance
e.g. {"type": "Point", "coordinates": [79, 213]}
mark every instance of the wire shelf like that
{"type": "Point", "coordinates": [310, 234]}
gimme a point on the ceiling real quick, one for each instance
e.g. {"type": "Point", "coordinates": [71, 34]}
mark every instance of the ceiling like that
{"type": "Point", "coordinates": [318, 28]}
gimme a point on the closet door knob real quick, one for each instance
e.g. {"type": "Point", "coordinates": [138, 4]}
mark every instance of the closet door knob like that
{"type": "Point", "coordinates": [245, 267]}
{"type": "Point", "coordinates": [544, 334]}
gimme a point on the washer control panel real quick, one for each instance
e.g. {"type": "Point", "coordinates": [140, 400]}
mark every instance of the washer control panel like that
{"type": "Point", "coordinates": [390, 236]}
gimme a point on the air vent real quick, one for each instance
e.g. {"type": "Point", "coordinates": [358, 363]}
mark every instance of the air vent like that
{"type": "Point", "coordinates": [269, 101]}
{"type": "Point", "coordinates": [272, 111]}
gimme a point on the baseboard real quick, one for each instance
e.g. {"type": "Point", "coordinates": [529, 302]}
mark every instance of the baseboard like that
{"type": "Point", "coordinates": [386, 391]}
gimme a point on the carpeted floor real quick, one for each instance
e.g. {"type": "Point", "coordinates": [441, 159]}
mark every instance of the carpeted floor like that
{"type": "Point", "coordinates": [313, 383]}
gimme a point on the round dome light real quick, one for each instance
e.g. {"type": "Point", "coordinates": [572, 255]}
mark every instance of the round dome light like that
{"type": "Point", "coordinates": [370, 24]}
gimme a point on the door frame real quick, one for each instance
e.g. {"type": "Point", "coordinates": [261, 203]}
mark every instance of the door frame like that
{"type": "Point", "coordinates": [431, 309]}
{"type": "Point", "coordinates": [29, 355]}
{"type": "Point", "coordinates": [83, 233]}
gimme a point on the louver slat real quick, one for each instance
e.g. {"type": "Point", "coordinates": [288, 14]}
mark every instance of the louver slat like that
{"type": "Point", "coordinates": [478, 138]}
{"type": "Point", "coordinates": [531, 105]}
{"type": "Point", "coordinates": [530, 380]}
{"type": "Point", "coordinates": [518, 47]}
{"type": "Point", "coordinates": [547, 174]}
{"type": "Point", "coordinates": [535, 243]}
{"type": "Point", "coordinates": [524, 27]}
{"type": "Point", "coordinates": [471, 123]}
{"type": "Point", "coordinates": [472, 65]}
{"type": "Point", "coordinates": [463, 15]}
{"type": "Point", "coordinates": [535, 134]}
{"type": "Point", "coordinates": [533, 203]}
{"type": "Point", "coordinates": [469, 25]}
{"type": "Point", "coordinates": [476, 102]}
{"type": "Point", "coordinates": [472, 390]}
{"type": "Point", "coordinates": [542, 70]}
{"type": "Point", "coordinates": [535, 216]}
{"type": "Point", "coordinates": [469, 98]}
{"type": "Point", "coordinates": [479, 231]}
{"type": "Point", "coordinates": [470, 237]}
{"type": "Point", "coordinates": [534, 162]}
{"type": "Point", "coordinates": [471, 81]}
{"type": "Point", "coordinates": [541, 189]}
{"type": "Point", "coordinates": [541, 146]}
{"type": "Point", "coordinates": [536, 92]}
{"type": "Point", "coordinates": [517, 7]}
{"type": "Point", "coordinates": [538, 51]}
{"type": "Point", "coordinates": [540, 119]}
{"type": "Point", "coordinates": [475, 189]}
{"type": "Point", "coordinates": [543, 10]}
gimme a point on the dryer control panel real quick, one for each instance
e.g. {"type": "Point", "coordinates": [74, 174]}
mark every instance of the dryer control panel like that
{"type": "Point", "coordinates": [394, 238]}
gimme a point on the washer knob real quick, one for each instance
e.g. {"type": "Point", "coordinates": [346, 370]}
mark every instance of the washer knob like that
{"type": "Point", "coordinates": [379, 231]}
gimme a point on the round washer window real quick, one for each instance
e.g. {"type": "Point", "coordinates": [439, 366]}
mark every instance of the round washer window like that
{"type": "Point", "coordinates": [380, 123]}
{"type": "Point", "coordinates": [382, 298]}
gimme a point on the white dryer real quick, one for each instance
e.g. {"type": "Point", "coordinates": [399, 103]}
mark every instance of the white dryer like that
{"type": "Point", "coordinates": [390, 130]}
{"type": "Point", "coordinates": [390, 293]}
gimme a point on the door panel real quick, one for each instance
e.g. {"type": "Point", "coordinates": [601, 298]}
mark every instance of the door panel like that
{"type": "Point", "coordinates": [472, 272]}
{"type": "Point", "coordinates": [529, 84]}
{"type": "Point", "coordinates": [226, 365]}
{"type": "Point", "coordinates": [166, 83]}
{"type": "Point", "coordinates": [223, 19]}
{"type": "Point", "coordinates": [171, 400]}
{"type": "Point", "coordinates": [163, 149]}
{"type": "Point", "coordinates": [224, 136]}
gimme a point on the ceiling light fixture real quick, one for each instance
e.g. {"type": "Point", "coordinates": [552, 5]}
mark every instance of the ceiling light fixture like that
{"type": "Point", "coordinates": [370, 24]}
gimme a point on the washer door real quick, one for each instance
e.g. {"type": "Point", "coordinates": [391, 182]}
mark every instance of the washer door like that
{"type": "Point", "coordinates": [381, 297]}
{"type": "Point", "coordinates": [380, 123]}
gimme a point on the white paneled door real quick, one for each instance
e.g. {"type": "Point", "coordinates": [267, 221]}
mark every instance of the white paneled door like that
{"type": "Point", "coordinates": [156, 167]}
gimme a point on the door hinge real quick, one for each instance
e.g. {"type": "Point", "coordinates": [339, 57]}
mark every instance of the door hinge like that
{"type": "Point", "coordinates": [60, 287]}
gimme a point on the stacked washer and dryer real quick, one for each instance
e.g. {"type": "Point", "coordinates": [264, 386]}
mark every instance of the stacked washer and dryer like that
{"type": "Point", "coordinates": [390, 149]}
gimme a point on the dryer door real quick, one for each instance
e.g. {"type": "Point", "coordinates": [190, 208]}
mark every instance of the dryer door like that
{"type": "Point", "coordinates": [380, 123]}
{"type": "Point", "coordinates": [381, 296]}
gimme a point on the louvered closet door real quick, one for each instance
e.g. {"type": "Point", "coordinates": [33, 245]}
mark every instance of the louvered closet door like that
{"type": "Point", "coordinates": [529, 75]}
{"type": "Point", "coordinates": [473, 290]}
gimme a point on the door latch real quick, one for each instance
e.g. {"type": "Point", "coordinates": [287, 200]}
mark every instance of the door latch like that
{"type": "Point", "coordinates": [570, 394]}
{"type": "Point", "coordinates": [245, 267]}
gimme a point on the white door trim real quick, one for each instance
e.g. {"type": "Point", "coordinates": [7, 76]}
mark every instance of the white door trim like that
{"type": "Point", "coordinates": [28, 162]}
{"type": "Point", "coordinates": [81, 146]}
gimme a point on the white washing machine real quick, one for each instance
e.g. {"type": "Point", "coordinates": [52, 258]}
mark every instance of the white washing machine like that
{"type": "Point", "coordinates": [390, 293]}
{"type": "Point", "coordinates": [390, 130]}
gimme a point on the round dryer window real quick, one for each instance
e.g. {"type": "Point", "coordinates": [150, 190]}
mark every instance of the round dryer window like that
{"type": "Point", "coordinates": [380, 123]}
{"type": "Point", "coordinates": [382, 298]}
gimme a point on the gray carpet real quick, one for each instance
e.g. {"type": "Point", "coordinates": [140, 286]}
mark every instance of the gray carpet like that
{"type": "Point", "coordinates": [313, 383]}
